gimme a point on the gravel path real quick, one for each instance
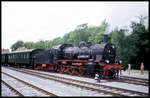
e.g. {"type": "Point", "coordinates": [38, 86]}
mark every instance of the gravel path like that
{"type": "Point", "coordinates": [5, 91]}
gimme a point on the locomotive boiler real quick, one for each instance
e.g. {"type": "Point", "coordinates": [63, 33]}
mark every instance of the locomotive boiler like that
{"type": "Point", "coordinates": [104, 51]}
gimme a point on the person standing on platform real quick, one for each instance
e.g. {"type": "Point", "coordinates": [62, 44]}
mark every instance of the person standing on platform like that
{"type": "Point", "coordinates": [129, 68]}
{"type": "Point", "coordinates": [120, 62]}
{"type": "Point", "coordinates": [142, 68]}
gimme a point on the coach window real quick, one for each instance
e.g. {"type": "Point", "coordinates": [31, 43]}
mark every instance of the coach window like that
{"type": "Point", "coordinates": [17, 56]}
{"type": "Point", "coordinates": [25, 55]}
{"type": "Point", "coordinates": [20, 56]}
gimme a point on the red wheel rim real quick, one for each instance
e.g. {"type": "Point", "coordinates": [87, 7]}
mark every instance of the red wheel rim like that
{"type": "Point", "coordinates": [50, 67]}
{"type": "Point", "coordinates": [61, 69]}
{"type": "Point", "coordinates": [71, 71]}
{"type": "Point", "coordinates": [80, 71]}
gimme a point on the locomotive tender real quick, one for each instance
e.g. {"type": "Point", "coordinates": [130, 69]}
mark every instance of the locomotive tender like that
{"type": "Point", "coordinates": [86, 59]}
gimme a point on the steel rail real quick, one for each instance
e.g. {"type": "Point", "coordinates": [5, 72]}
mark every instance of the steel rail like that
{"type": "Point", "coordinates": [13, 89]}
{"type": "Point", "coordinates": [134, 78]}
{"type": "Point", "coordinates": [30, 85]}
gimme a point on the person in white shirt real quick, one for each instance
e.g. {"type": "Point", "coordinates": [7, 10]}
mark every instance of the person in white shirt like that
{"type": "Point", "coordinates": [129, 68]}
{"type": "Point", "coordinates": [97, 77]}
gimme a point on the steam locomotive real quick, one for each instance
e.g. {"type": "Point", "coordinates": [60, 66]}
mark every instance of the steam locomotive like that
{"type": "Point", "coordinates": [84, 59]}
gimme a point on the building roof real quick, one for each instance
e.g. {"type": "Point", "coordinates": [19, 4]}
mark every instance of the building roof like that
{"type": "Point", "coordinates": [5, 50]}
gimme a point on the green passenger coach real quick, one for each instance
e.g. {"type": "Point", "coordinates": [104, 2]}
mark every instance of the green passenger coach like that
{"type": "Point", "coordinates": [20, 58]}
{"type": "Point", "coordinates": [4, 59]}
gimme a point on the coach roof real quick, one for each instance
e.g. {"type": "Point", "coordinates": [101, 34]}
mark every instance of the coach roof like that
{"type": "Point", "coordinates": [29, 50]}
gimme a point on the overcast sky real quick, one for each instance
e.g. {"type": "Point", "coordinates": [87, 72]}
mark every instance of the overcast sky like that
{"type": "Point", "coordinates": [35, 21]}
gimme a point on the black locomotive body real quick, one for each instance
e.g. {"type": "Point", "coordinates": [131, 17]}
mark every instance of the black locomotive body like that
{"type": "Point", "coordinates": [84, 59]}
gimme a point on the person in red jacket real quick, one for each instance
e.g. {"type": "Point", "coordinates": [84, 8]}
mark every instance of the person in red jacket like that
{"type": "Point", "coordinates": [142, 68]}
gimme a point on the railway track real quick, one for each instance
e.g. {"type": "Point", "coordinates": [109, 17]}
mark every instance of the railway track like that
{"type": "Point", "coordinates": [86, 85]}
{"type": "Point", "coordinates": [32, 88]}
{"type": "Point", "coordinates": [123, 79]}
{"type": "Point", "coordinates": [130, 82]}
{"type": "Point", "coordinates": [133, 80]}
{"type": "Point", "coordinates": [13, 89]}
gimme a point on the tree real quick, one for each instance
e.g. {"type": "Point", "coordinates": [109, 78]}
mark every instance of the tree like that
{"type": "Point", "coordinates": [29, 45]}
{"type": "Point", "coordinates": [117, 38]}
{"type": "Point", "coordinates": [98, 32]}
{"type": "Point", "coordinates": [142, 18]}
{"type": "Point", "coordinates": [82, 26]}
{"type": "Point", "coordinates": [79, 34]}
{"type": "Point", "coordinates": [56, 41]}
{"type": "Point", "coordinates": [142, 34]}
{"type": "Point", "coordinates": [40, 44]}
{"type": "Point", "coordinates": [17, 45]}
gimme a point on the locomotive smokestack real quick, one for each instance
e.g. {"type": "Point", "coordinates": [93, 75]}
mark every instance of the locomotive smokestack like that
{"type": "Point", "coordinates": [105, 38]}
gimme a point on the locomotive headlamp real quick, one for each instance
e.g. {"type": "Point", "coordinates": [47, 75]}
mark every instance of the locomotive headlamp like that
{"type": "Point", "coordinates": [120, 61]}
{"type": "Point", "coordinates": [107, 61]}
{"type": "Point", "coordinates": [113, 46]}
